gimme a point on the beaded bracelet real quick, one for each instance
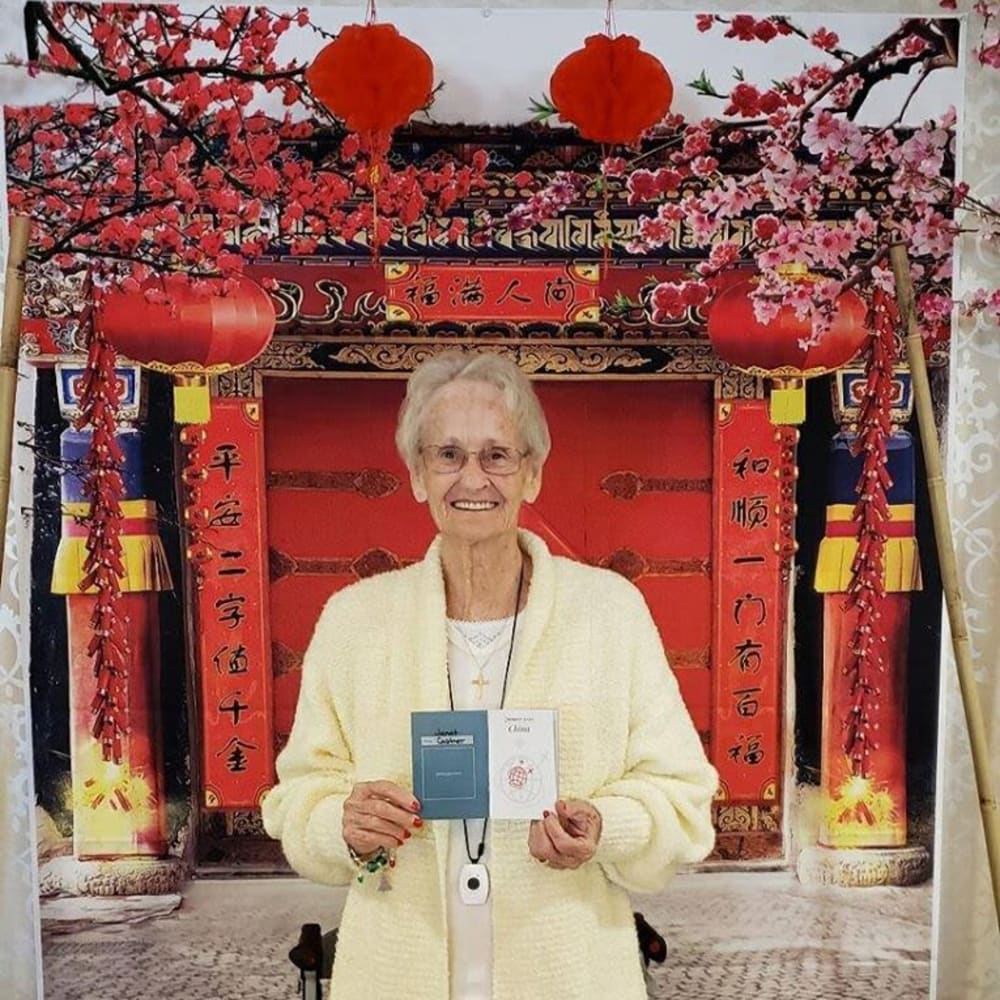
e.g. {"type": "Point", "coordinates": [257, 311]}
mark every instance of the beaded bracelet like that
{"type": "Point", "coordinates": [381, 861]}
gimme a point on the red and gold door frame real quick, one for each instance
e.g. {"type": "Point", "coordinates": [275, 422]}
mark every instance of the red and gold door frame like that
{"type": "Point", "coordinates": [326, 339]}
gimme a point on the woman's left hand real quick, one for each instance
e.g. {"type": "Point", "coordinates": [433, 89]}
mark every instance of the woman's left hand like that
{"type": "Point", "coordinates": [568, 837]}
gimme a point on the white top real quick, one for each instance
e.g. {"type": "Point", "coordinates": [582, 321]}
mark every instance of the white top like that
{"type": "Point", "coordinates": [477, 657]}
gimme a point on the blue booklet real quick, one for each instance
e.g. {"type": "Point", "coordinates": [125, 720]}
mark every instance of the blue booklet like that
{"type": "Point", "coordinates": [471, 765]}
{"type": "Point", "coordinates": [451, 764]}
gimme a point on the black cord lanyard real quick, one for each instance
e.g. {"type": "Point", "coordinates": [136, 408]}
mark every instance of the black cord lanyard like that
{"type": "Point", "coordinates": [481, 849]}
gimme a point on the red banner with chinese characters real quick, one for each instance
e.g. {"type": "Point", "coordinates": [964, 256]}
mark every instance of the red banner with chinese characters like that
{"type": "Point", "coordinates": [231, 607]}
{"type": "Point", "coordinates": [754, 513]}
{"type": "Point", "coordinates": [555, 293]}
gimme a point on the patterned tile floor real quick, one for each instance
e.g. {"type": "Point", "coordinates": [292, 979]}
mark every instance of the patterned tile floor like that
{"type": "Point", "coordinates": [758, 934]}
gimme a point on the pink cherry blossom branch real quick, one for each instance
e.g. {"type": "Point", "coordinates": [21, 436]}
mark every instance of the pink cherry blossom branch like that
{"type": "Point", "coordinates": [868, 68]}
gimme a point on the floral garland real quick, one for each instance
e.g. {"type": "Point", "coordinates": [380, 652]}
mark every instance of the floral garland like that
{"type": "Point", "coordinates": [103, 568]}
{"type": "Point", "coordinates": [867, 588]}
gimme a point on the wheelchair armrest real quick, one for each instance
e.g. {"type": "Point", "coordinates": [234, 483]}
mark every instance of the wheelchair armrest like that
{"type": "Point", "coordinates": [651, 943]}
{"type": "Point", "coordinates": [307, 955]}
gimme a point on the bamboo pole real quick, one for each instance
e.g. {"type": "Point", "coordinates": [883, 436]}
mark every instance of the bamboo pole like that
{"type": "Point", "coordinates": [10, 345]}
{"type": "Point", "coordinates": [949, 566]}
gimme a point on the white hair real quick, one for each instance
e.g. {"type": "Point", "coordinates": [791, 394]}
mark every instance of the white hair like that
{"type": "Point", "coordinates": [493, 369]}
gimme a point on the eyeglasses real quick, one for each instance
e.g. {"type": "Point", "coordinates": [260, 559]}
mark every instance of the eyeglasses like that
{"type": "Point", "coordinates": [494, 460]}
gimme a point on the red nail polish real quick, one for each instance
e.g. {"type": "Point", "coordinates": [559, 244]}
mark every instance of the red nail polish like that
{"type": "Point", "coordinates": [545, 813]}
{"type": "Point", "coordinates": [415, 805]}
{"type": "Point", "coordinates": [417, 821]}
{"type": "Point", "coordinates": [406, 835]}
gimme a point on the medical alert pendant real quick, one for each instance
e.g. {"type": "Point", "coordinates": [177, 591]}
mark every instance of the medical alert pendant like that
{"type": "Point", "coordinates": [474, 884]}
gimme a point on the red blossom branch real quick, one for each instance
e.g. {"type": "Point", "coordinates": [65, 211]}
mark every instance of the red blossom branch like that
{"type": "Point", "coordinates": [177, 169]}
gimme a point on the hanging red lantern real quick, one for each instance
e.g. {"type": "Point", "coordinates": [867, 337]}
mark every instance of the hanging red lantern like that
{"type": "Point", "coordinates": [372, 78]}
{"type": "Point", "coordinates": [776, 349]}
{"type": "Point", "coordinates": [611, 90]}
{"type": "Point", "coordinates": [191, 336]}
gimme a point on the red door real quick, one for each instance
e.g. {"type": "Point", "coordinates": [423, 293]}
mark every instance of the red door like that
{"type": "Point", "coordinates": [628, 485]}
{"type": "Point", "coordinates": [339, 507]}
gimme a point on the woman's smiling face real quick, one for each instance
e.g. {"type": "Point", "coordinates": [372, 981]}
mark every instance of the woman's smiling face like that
{"type": "Point", "coordinates": [469, 504]}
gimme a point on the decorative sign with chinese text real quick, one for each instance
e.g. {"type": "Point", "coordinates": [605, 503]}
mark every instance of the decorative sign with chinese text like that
{"type": "Point", "coordinates": [233, 641]}
{"type": "Point", "coordinates": [750, 597]}
{"type": "Point", "coordinates": [555, 293]}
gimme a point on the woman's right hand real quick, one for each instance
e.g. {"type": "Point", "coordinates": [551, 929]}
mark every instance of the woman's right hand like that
{"type": "Point", "coordinates": [379, 814]}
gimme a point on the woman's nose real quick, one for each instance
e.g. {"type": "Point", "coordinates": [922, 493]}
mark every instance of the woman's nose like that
{"type": "Point", "coordinates": [472, 474]}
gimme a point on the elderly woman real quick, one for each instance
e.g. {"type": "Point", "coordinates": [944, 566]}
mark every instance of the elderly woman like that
{"type": "Point", "coordinates": [488, 618]}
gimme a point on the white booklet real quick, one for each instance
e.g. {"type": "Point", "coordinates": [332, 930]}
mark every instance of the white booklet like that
{"type": "Point", "coordinates": [523, 762]}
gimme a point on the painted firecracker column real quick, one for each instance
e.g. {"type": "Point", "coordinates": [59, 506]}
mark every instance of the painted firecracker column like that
{"type": "Point", "coordinates": [119, 808]}
{"type": "Point", "coordinates": [864, 792]}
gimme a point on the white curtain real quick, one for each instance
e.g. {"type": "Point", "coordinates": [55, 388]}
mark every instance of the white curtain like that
{"type": "Point", "coordinates": [20, 938]}
{"type": "Point", "coordinates": [20, 947]}
{"type": "Point", "coordinates": [966, 947]}
{"type": "Point", "coordinates": [20, 953]}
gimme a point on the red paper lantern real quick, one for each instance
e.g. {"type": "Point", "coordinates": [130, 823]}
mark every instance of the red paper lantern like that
{"type": "Point", "coordinates": [191, 336]}
{"type": "Point", "coordinates": [371, 77]}
{"type": "Point", "coordinates": [611, 90]}
{"type": "Point", "coordinates": [775, 349]}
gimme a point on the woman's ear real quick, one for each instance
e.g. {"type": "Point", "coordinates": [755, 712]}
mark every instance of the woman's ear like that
{"type": "Point", "coordinates": [533, 486]}
{"type": "Point", "coordinates": [417, 486]}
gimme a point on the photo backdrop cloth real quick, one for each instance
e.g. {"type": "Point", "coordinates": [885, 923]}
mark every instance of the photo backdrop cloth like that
{"type": "Point", "coordinates": [966, 950]}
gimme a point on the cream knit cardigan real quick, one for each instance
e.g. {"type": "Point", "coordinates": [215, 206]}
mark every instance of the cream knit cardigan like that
{"type": "Point", "coordinates": [586, 645]}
